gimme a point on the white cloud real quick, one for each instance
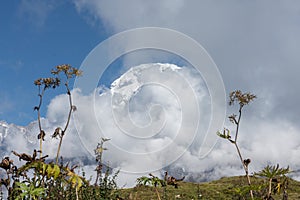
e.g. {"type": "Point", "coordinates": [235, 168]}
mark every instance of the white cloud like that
{"type": "Point", "coordinates": [96, 118]}
{"type": "Point", "coordinates": [155, 130]}
{"type": "Point", "coordinates": [270, 142]}
{"type": "Point", "coordinates": [255, 44]}
{"type": "Point", "coordinates": [120, 15]}
{"type": "Point", "coordinates": [143, 113]}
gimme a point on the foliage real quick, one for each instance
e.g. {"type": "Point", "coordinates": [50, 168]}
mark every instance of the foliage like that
{"type": "Point", "coordinates": [273, 171]}
{"type": "Point", "coordinates": [29, 190]}
{"type": "Point", "coordinates": [225, 135]}
{"type": "Point", "coordinates": [275, 175]}
{"type": "Point", "coordinates": [152, 181]}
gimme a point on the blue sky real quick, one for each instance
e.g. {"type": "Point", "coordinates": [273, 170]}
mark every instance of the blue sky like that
{"type": "Point", "coordinates": [34, 39]}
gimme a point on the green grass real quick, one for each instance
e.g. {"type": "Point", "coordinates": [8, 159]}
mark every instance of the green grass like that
{"type": "Point", "coordinates": [223, 188]}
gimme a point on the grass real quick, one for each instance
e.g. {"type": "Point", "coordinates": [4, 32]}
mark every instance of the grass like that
{"type": "Point", "coordinates": [224, 188]}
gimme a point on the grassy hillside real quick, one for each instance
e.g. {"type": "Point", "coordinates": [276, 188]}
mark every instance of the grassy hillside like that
{"type": "Point", "coordinates": [225, 188]}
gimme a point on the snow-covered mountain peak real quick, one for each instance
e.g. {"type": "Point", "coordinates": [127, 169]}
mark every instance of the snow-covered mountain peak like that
{"type": "Point", "coordinates": [131, 81]}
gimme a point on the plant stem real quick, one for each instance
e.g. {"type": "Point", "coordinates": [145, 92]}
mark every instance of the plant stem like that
{"type": "Point", "coordinates": [245, 168]}
{"type": "Point", "coordinates": [67, 123]}
{"type": "Point", "coordinates": [238, 149]}
{"type": "Point", "coordinates": [58, 149]}
{"type": "Point", "coordinates": [157, 193]}
{"type": "Point", "coordinates": [76, 191]}
{"type": "Point", "coordinates": [238, 124]}
{"type": "Point", "coordinates": [270, 187]}
{"type": "Point", "coordinates": [99, 167]}
{"type": "Point", "coordinates": [39, 120]}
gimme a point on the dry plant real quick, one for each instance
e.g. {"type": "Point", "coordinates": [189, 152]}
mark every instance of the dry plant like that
{"type": "Point", "coordinates": [242, 99]}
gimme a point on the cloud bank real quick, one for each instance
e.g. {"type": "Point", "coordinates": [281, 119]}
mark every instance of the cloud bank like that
{"type": "Point", "coordinates": [149, 131]}
{"type": "Point", "coordinates": [255, 45]}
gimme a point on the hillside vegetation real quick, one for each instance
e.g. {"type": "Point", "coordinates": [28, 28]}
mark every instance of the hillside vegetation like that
{"type": "Point", "coordinates": [224, 188]}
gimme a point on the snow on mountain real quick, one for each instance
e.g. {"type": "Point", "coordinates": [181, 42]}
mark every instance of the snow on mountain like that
{"type": "Point", "coordinates": [128, 84]}
{"type": "Point", "coordinates": [14, 136]}
{"type": "Point", "coordinates": [3, 130]}
{"type": "Point", "coordinates": [12, 129]}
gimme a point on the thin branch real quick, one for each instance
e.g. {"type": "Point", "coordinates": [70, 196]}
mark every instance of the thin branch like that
{"type": "Point", "coordinates": [71, 107]}
{"type": "Point", "coordinates": [238, 149]}
{"type": "Point", "coordinates": [67, 123]}
{"type": "Point", "coordinates": [238, 123]}
{"type": "Point", "coordinates": [38, 108]}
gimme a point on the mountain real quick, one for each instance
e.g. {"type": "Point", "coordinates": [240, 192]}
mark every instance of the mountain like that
{"type": "Point", "coordinates": [12, 135]}
{"type": "Point", "coordinates": [6, 129]}
{"type": "Point", "coordinates": [28, 131]}
{"type": "Point", "coordinates": [129, 84]}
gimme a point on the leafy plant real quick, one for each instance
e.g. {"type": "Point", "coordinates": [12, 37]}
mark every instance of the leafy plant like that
{"type": "Point", "coordinates": [274, 174]}
{"type": "Point", "coordinates": [29, 191]}
{"type": "Point", "coordinates": [242, 191]}
{"type": "Point", "coordinates": [242, 99]}
{"type": "Point", "coordinates": [152, 181]}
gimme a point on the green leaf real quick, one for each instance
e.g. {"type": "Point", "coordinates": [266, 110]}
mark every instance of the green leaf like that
{"type": "Point", "coordinates": [44, 167]}
{"type": "Point", "coordinates": [49, 171]}
{"type": "Point", "coordinates": [225, 134]}
{"type": "Point", "coordinates": [56, 171]}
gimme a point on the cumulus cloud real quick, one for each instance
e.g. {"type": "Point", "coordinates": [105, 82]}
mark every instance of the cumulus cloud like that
{"type": "Point", "coordinates": [150, 132]}
{"type": "Point", "coordinates": [150, 114]}
{"type": "Point", "coordinates": [254, 44]}
{"type": "Point", "coordinates": [276, 140]}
